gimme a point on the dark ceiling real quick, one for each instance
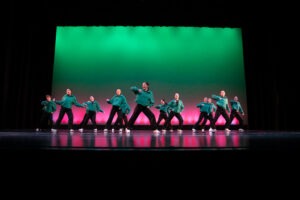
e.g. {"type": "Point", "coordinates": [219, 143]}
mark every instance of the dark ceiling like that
{"type": "Point", "coordinates": [147, 12]}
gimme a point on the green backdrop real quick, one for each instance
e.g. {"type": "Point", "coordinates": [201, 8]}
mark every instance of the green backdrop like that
{"type": "Point", "coordinates": [193, 61]}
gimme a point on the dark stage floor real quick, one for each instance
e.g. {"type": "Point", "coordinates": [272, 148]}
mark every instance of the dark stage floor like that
{"type": "Point", "coordinates": [136, 140]}
{"type": "Point", "coordinates": [141, 148]}
{"type": "Point", "coordinates": [139, 140]}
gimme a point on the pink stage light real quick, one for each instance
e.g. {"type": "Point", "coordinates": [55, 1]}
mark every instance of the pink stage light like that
{"type": "Point", "coordinates": [77, 141]}
{"type": "Point", "coordinates": [220, 140]}
{"type": "Point", "coordinates": [175, 140]}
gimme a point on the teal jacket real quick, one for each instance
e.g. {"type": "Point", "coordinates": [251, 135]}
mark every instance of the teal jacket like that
{"type": "Point", "coordinates": [212, 108]}
{"type": "Point", "coordinates": [117, 100]}
{"type": "Point", "coordinates": [67, 101]}
{"type": "Point", "coordinates": [125, 108]}
{"type": "Point", "coordinates": [92, 106]}
{"type": "Point", "coordinates": [235, 105]}
{"type": "Point", "coordinates": [176, 106]}
{"type": "Point", "coordinates": [221, 101]}
{"type": "Point", "coordinates": [49, 106]}
{"type": "Point", "coordinates": [165, 108]}
{"type": "Point", "coordinates": [204, 107]}
{"type": "Point", "coordinates": [144, 98]}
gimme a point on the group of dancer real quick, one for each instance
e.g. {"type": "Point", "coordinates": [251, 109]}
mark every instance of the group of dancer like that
{"type": "Point", "coordinates": [144, 101]}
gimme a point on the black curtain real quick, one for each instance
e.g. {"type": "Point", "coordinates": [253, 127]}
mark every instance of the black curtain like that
{"type": "Point", "coordinates": [270, 52]}
{"type": "Point", "coordinates": [269, 38]}
{"type": "Point", "coordinates": [27, 64]}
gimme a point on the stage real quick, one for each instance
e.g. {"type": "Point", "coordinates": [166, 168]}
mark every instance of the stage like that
{"type": "Point", "coordinates": [137, 140]}
{"type": "Point", "coordinates": [143, 145]}
{"type": "Point", "coordinates": [146, 140]}
{"type": "Point", "coordinates": [235, 155]}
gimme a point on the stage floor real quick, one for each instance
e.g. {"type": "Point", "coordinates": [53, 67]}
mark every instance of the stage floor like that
{"type": "Point", "coordinates": [240, 157]}
{"type": "Point", "coordinates": [141, 149]}
{"type": "Point", "coordinates": [146, 140]}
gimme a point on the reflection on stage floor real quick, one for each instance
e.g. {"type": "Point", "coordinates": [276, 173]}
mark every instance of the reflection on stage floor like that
{"type": "Point", "coordinates": [137, 139]}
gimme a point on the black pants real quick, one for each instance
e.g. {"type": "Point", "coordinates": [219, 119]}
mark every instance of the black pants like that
{"type": "Point", "coordinates": [163, 115]}
{"type": "Point", "coordinates": [149, 114]}
{"type": "Point", "coordinates": [120, 123]}
{"type": "Point", "coordinates": [222, 111]}
{"type": "Point", "coordinates": [46, 121]}
{"type": "Point", "coordinates": [211, 120]}
{"type": "Point", "coordinates": [62, 112]}
{"type": "Point", "coordinates": [114, 110]}
{"type": "Point", "coordinates": [171, 115]}
{"type": "Point", "coordinates": [204, 116]}
{"type": "Point", "coordinates": [235, 114]}
{"type": "Point", "coordinates": [90, 115]}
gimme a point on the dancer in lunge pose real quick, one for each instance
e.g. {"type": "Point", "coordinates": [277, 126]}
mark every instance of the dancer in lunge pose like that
{"type": "Point", "coordinates": [144, 100]}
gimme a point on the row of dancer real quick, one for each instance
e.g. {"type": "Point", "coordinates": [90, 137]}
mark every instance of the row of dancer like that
{"type": "Point", "coordinates": [144, 100]}
{"type": "Point", "coordinates": [207, 108]}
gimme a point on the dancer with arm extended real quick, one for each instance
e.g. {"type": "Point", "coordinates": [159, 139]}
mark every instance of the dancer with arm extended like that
{"type": "Point", "coordinates": [46, 120]}
{"type": "Point", "coordinates": [92, 107]}
{"type": "Point", "coordinates": [116, 101]}
{"type": "Point", "coordinates": [204, 107]}
{"type": "Point", "coordinates": [66, 107]}
{"type": "Point", "coordinates": [164, 111]}
{"type": "Point", "coordinates": [125, 111]}
{"type": "Point", "coordinates": [144, 100]}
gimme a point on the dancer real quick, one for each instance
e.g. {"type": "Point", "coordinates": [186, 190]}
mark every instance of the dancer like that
{"type": "Point", "coordinates": [92, 107]}
{"type": "Point", "coordinates": [125, 111]}
{"type": "Point", "coordinates": [204, 110]}
{"type": "Point", "coordinates": [210, 117]}
{"type": "Point", "coordinates": [144, 100]}
{"type": "Point", "coordinates": [66, 107]}
{"type": "Point", "coordinates": [46, 120]}
{"type": "Point", "coordinates": [177, 107]}
{"type": "Point", "coordinates": [236, 108]}
{"type": "Point", "coordinates": [117, 100]}
{"type": "Point", "coordinates": [164, 111]}
{"type": "Point", "coordinates": [222, 106]}
{"type": "Point", "coordinates": [208, 109]}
